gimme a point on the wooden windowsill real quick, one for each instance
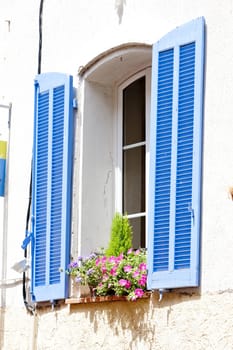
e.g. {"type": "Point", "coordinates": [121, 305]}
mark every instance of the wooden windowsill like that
{"type": "Point", "coordinates": [108, 298]}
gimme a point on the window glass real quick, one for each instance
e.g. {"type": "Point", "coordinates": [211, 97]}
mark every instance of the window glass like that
{"type": "Point", "coordinates": [134, 112]}
{"type": "Point", "coordinates": [138, 225]}
{"type": "Point", "coordinates": [134, 180]}
{"type": "Point", "coordinates": [133, 158]}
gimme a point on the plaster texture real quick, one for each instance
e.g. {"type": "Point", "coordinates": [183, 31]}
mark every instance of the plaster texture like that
{"type": "Point", "coordinates": [188, 322]}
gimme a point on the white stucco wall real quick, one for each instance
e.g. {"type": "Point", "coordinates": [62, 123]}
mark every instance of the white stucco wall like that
{"type": "Point", "coordinates": [74, 32]}
{"type": "Point", "coordinates": [97, 167]}
{"type": "Point", "coordinates": [179, 321]}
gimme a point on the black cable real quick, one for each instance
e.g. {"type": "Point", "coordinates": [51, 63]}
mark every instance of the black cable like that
{"type": "Point", "coordinates": [40, 35]}
{"type": "Point", "coordinates": [30, 308]}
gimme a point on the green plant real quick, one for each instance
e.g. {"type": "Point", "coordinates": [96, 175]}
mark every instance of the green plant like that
{"type": "Point", "coordinates": [85, 271]}
{"type": "Point", "coordinates": [123, 275]}
{"type": "Point", "coordinates": [121, 236]}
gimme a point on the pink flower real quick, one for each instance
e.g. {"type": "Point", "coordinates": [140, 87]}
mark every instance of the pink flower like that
{"type": "Point", "coordinates": [130, 251]}
{"type": "Point", "coordinates": [125, 283]}
{"type": "Point", "coordinates": [137, 252]}
{"type": "Point", "coordinates": [142, 266]}
{"type": "Point", "coordinates": [138, 292]}
{"type": "Point", "coordinates": [142, 281]}
{"type": "Point", "coordinates": [113, 271]}
{"type": "Point", "coordinates": [103, 269]}
{"type": "Point", "coordinates": [128, 284]}
{"type": "Point", "coordinates": [112, 259]}
{"type": "Point", "coordinates": [103, 259]}
{"type": "Point", "coordinates": [127, 268]}
{"type": "Point", "coordinates": [119, 258]}
{"type": "Point", "coordinates": [135, 274]}
{"type": "Point", "coordinates": [97, 261]}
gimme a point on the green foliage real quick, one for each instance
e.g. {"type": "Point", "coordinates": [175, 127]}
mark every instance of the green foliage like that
{"type": "Point", "coordinates": [121, 236]}
{"type": "Point", "coordinates": [125, 274]}
{"type": "Point", "coordinates": [85, 270]}
{"type": "Point", "coordinates": [122, 275]}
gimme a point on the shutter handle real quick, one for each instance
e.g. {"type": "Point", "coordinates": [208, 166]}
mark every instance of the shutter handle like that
{"type": "Point", "coordinates": [192, 211]}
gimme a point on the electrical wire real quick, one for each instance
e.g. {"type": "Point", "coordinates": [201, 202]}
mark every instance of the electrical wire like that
{"type": "Point", "coordinates": [40, 35]}
{"type": "Point", "coordinates": [31, 308]}
{"type": "Point", "coordinates": [28, 306]}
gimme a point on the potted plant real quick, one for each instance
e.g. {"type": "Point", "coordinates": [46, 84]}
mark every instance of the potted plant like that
{"type": "Point", "coordinates": [120, 237]}
{"type": "Point", "coordinates": [118, 271]}
{"type": "Point", "coordinates": [123, 275]}
{"type": "Point", "coordinates": [85, 272]}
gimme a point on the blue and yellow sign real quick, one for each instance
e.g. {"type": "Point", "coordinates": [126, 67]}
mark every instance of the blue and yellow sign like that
{"type": "Point", "coordinates": [3, 149]}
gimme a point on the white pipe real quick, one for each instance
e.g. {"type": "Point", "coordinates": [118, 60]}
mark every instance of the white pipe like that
{"type": "Point", "coordinates": [4, 239]}
{"type": "Point", "coordinates": [5, 217]}
{"type": "Point", "coordinates": [10, 282]}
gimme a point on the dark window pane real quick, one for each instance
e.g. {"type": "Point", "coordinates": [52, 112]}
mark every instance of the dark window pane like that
{"type": "Point", "coordinates": [134, 180]}
{"type": "Point", "coordinates": [138, 225]}
{"type": "Point", "coordinates": [134, 112]}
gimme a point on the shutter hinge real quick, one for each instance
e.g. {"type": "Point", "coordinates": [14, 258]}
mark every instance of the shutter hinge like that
{"type": "Point", "coordinates": [26, 240]}
{"type": "Point", "coordinates": [161, 293]}
{"type": "Point", "coordinates": [75, 103]}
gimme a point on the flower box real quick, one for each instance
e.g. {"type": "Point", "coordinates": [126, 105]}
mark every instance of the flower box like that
{"type": "Point", "coordinates": [109, 276]}
{"type": "Point", "coordinates": [101, 299]}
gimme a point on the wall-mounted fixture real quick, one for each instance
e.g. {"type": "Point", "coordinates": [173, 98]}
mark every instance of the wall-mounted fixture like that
{"type": "Point", "coordinates": [230, 192]}
{"type": "Point", "coordinates": [21, 266]}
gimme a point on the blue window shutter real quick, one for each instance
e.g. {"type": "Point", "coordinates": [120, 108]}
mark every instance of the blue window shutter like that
{"type": "Point", "coordinates": [176, 158]}
{"type": "Point", "coordinates": [52, 181]}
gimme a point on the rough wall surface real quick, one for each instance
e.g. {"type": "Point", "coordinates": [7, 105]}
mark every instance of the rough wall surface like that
{"type": "Point", "coordinates": [177, 322]}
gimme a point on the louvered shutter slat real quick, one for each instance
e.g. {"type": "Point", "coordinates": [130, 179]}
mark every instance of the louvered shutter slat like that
{"type": "Point", "coordinates": [184, 158]}
{"type": "Point", "coordinates": [163, 161]}
{"type": "Point", "coordinates": [41, 188]}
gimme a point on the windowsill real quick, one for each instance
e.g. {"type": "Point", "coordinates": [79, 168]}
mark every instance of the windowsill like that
{"type": "Point", "coordinates": [109, 298]}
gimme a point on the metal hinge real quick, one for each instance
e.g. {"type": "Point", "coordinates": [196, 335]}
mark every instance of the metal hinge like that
{"type": "Point", "coordinates": [75, 103]}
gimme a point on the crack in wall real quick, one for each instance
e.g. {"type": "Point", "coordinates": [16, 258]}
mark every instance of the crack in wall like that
{"type": "Point", "coordinates": [119, 7]}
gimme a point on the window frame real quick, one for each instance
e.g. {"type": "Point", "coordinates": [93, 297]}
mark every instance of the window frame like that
{"type": "Point", "coordinates": [108, 70]}
{"type": "Point", "coordinates": [119, 141]}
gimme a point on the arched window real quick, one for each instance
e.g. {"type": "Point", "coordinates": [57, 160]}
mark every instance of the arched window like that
{"type": "Point", "coordinates": [115, 124]}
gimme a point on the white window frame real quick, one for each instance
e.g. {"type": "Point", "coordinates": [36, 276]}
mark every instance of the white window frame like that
{"type": "Point", "coordinates": [119, 145]}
